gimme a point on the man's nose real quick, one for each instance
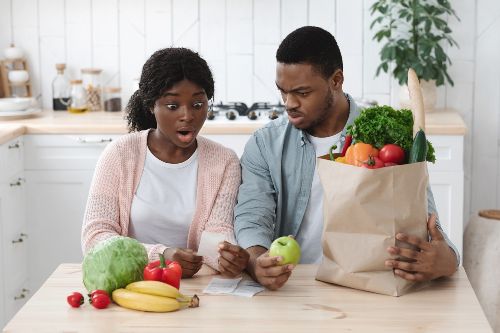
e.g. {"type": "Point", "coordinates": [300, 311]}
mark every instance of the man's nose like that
{"type": "Point", "coordinates": [291, 102]}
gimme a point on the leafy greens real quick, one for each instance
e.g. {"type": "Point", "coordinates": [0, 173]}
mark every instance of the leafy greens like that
{"type": "Point", "coordinates": [380, 125]}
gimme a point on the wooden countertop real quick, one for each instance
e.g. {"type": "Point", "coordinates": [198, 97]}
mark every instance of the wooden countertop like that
{"type": "Point", "coordinates": [440, 122]}
{"type": "Point", "coordinates": [302, 305]}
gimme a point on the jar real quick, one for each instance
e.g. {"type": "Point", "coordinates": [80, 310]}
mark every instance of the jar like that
{"type": "Point", "coordinates": [78, 97]}
{"type": "Point", "coordinates": [112, 99]}
{"type": "Point", "coordinates": [481, 245]}
{"type": "Point", "coordinates": [91, 78]}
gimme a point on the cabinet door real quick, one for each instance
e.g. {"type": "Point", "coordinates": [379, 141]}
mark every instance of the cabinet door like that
{"type": "Point", "coordinates": [13, 245]}
{"type": "Point", "coordinates": [56, 201]}
{"type": "Point", "coordinates": [448, 191]}
{"type": "Point", "coordinates": [15, 298]}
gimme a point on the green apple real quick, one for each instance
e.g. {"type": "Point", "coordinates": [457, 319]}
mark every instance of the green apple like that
{"type": "Point", "coordinates": [286, 247]}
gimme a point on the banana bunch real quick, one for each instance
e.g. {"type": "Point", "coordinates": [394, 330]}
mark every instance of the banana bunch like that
{"type": "Point", "coordinates": [153, 296]}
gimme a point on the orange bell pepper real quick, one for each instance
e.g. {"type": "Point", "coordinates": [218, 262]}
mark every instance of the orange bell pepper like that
{"type": "Point", "coordinates": [359, 153]}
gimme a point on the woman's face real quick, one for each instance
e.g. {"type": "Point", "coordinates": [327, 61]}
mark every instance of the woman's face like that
{"type": "Point", "coordinates": [181, 112]}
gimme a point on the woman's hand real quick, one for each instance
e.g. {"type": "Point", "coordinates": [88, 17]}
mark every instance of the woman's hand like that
{"type": "Point", "coordinates": [232, 260]}
{"type": "Point", "coordinates": [189, 261]}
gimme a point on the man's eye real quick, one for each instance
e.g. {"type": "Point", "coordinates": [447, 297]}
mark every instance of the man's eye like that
{"type": "Point", "coordinates": [198, 105]}
{"type": "Point", "coordinates": [303, 94]}
{"type": "Point", "coordinates": [171, 106]}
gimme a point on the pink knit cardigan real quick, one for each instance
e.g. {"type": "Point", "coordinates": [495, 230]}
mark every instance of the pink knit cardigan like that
{"type": "Point", "coordinates": [117, 177]}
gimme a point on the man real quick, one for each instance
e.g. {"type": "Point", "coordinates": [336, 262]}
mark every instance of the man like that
{"type": "Point", "coordinates": [281, 193]}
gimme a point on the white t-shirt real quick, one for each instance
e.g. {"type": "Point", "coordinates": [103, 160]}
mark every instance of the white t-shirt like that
{"type": "Point", "coordinates": [164, 204]}
{"type": "Point", "coordinates": [311, 229]}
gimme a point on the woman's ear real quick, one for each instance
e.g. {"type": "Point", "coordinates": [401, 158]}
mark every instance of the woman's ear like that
{"type": "Point", "coordinates": [337, 79]}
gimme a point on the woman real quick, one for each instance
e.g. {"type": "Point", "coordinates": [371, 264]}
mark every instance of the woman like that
{"type": "Point", "coordinates": [162, 184]}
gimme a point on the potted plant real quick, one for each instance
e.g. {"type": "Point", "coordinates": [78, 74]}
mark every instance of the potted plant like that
{"type": "Point", "coordinates": [413, 33]}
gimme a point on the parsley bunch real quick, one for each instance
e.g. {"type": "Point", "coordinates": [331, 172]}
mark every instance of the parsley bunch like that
{"type": "Point", "coordinates": [380, 125]}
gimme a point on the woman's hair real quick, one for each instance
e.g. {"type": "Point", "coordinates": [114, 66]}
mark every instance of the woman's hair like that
{"type": "Point", "coordinates": [313, 46]}
{"type": "Point", "coordinates": [161, 72]}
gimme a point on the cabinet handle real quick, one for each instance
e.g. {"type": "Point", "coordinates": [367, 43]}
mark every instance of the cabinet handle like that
{"type": "Point", "coordinates": [21, 238]}
{"type": "Point", "coordinates": [85, 140]}
{"type": "Point", "coordinates": [18, 182]}
{"type": "Point", "coordinates": [22, 295]}
{"type": "Point", "coordinates": [14, 145]}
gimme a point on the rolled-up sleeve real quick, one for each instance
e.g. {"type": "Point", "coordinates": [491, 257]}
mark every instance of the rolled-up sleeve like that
{"type": "Point", "coordinates": [255, 212]}
{"type": "Point", "coordinates": [431, 208]}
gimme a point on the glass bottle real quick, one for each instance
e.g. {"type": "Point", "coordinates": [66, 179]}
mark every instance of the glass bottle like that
{"type": "Point", "coordinates": [91, 78]}
{"type": "Point", "coordinates": [61, 89]}
{"type": "Point", "coordinates": [112, 99]}
{"type": "Point", "coordinates": [78, 100]}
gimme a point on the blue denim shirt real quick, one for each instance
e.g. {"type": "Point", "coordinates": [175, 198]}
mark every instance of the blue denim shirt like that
{"type": "Point", "coordinates": [278, 166]}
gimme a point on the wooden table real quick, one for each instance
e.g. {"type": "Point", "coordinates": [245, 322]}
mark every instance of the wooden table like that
{"type": "Point", "coordinates": [302, 305]}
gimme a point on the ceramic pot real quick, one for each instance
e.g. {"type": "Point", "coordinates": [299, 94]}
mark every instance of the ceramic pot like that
{"type": "Point", "coordinates": [13, 52]}
{"type": "Point", "coordinates": [429, 95]}
{"type": "Point", "coordinates": [18, 76]}
{"type": "Point", "coordinates": [481, 249]}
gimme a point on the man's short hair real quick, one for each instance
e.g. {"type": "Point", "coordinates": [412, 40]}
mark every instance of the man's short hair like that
{"type": "Point", "coordinates": [311, 45]}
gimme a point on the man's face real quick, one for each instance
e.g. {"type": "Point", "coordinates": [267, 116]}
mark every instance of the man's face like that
{"type": "Point", "coordinates": [307, 95]}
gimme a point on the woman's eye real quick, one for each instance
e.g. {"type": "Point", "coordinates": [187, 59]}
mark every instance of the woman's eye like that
{"type": "Point", "coordinates": [171, 106]}
{"type": "Point", "coordinates": [198, 105]}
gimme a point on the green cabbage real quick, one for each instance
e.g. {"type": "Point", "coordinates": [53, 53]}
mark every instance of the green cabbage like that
{"type": "Point", "coordinates": [114, 263]}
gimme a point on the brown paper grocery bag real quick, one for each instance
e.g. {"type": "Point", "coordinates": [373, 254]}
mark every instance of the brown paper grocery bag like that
{"type": "Point", "coordinates": [363, 211]}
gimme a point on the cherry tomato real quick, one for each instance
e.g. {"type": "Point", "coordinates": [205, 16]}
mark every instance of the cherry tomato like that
{"type": "Point", "coordinates": [75, 299]}
{"type": "Point", "coordinates": [373, 163]}
{"type": "Point", "coordinates": [100, 301]}
{"type": "Point", "coordinates": [391, 153]}
{"type": "Point", "coordinates": [98, 291]}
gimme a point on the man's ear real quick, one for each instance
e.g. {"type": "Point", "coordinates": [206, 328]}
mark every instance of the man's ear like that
{"type": "Point", "coordinates": [337, 79]}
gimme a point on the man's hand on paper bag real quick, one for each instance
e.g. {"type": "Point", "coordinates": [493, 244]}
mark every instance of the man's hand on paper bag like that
{"type": "Point", "coordinates": [432, 259]}
{"type": "Point", "coordinates": [187, 258]}
{"type": "Point", "coordinates": [232, 259]}
{"type": "Point", "coordinates": [267, 270]}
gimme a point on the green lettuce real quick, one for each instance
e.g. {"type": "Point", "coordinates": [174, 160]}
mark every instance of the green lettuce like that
{"type": "Point", "coordinates": [114, 263]}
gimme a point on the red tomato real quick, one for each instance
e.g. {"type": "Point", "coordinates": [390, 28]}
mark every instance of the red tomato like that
{"type": "Point", "coordinates": [389, 164]}
{"type": "Point", "coordinates": [75, 299]}
{"type": "Point", "coordinates": [373, 163]}
{"type": "Point", "coordinates": [100, 301]}
{"type": "Point", "coordinates": [391, 153]}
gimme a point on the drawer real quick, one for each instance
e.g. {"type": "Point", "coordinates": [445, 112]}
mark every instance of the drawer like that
{"type": "Point", "coordinates": [11, 158]}
{"type": "Point", "coordinates": [449, 153]}
{"type": "Point", "coordinates": [64, 152]}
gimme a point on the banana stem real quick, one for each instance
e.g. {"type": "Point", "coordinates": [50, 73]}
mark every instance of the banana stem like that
{"type": "Point", "coordinates": [189, 302]}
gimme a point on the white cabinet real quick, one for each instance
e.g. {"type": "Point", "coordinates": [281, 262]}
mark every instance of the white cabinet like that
{"type": "Point", "coordinates": [58, 172]}
{"type": "Point", "coordinates": [446, 178]}
{"type": "Point", "coordinates": [14, 237]}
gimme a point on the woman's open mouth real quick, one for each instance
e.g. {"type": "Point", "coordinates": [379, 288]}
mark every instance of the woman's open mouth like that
{"type": "Point", "coordinates": [186, 136]}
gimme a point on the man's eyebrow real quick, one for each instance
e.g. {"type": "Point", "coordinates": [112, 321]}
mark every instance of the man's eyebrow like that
{"type": "Point", "coordinates": [294, 89]}
{"type": "Point", "coordinates": [201, 92]}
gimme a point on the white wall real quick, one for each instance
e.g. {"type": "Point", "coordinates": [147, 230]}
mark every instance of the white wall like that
{"type": "Point", "coordinates": [239, 39]}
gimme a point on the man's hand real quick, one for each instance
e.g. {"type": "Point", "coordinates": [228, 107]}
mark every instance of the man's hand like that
{"type": "Point", "coordinates": [431, 259]}
{"type": "Point", "coordinates": [189, 261]}
{"type": "Point", "coordinates": [266, 270]}
{"type": "Point", "coordinates": [232, 260]}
